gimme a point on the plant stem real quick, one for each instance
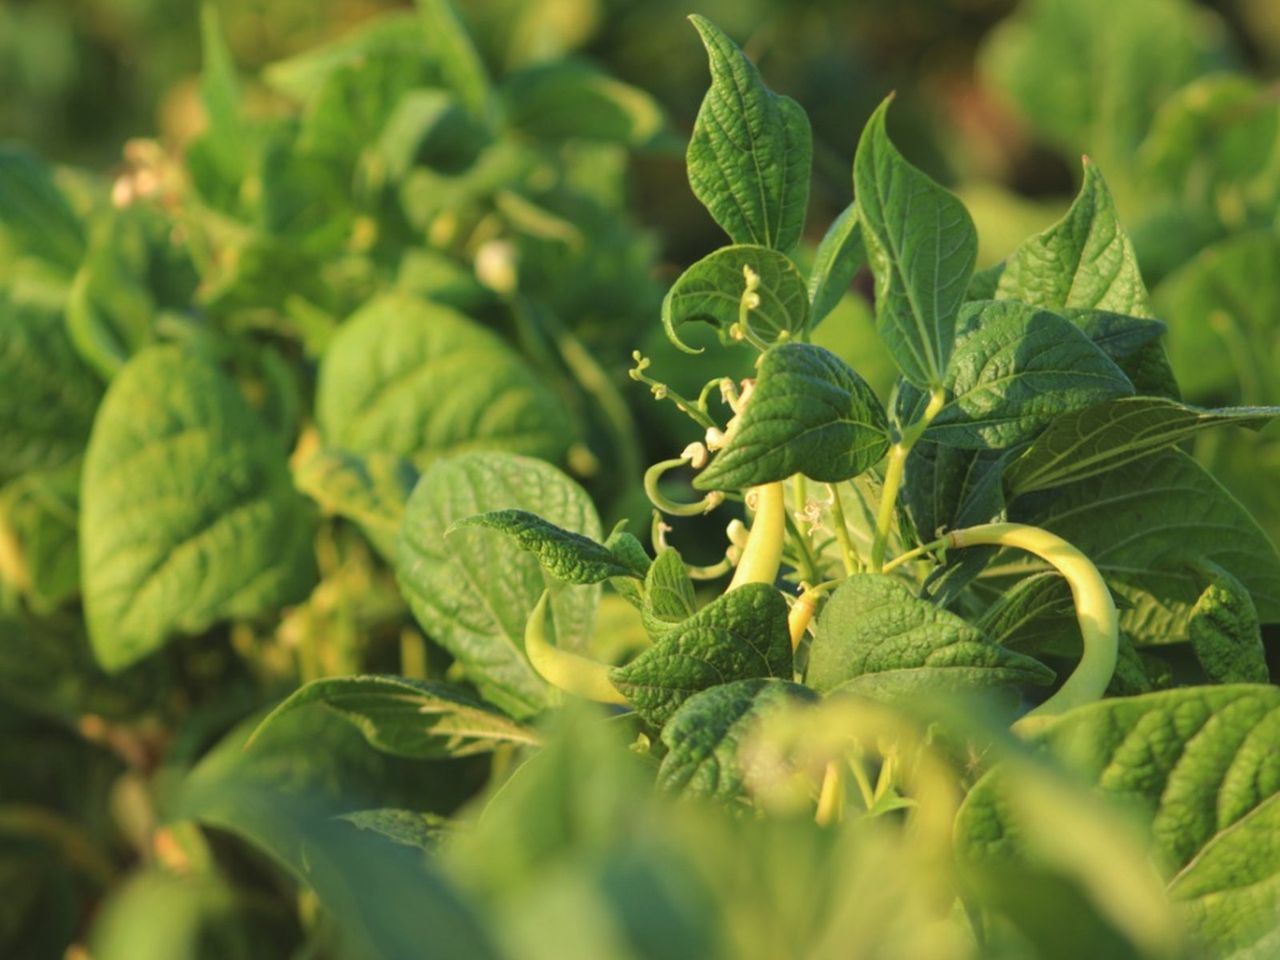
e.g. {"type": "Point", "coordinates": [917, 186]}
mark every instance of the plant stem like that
{"type": "Point", "coordinates": [848, 554]}
{"type": "Point", "coordinates": [831, 796]}
{"type": "Point", "coordinates": [762, 555]}
{"type": "Point", "coordinates": [893, 475]}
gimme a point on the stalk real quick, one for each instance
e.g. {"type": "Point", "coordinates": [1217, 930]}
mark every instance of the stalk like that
{"type": "Point", "coordinates": [894, 472]}
{"type": "Point", "coordinates": [762, 555]}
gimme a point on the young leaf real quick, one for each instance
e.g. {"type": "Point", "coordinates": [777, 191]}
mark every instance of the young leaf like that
{"type": "Point", "coordinates": [921, 245]}
{"type": "Point", "coordinates": [740, 635]}
{"type": "Point", "coordinates": [34, 213]}
{"type": "Point", "coordinates": [418, 380]}
{"type": "Point", "coordinates": [47, 394]}
{"type": "Point", "coordinates": [1016, 368]}
{"type": "Point", "coordinates": [188, 515]}
{"type": "Point", "coordinates": [669, 597]}
{"type": "Point", "coordinates": [371, 490]}
{"type": "Point", "coordinates": [704, 736]}
{"type": "Point", "coordinates": [571, 100]}
{"type": "Point", "coordinates": [809, 413]}
{"type": "Point", "coordinates": [712, 291]}
{"type": "Point", "coordinates": [1224, 631]}
{"type": "Point", "coordinates": [875, 637]}
{"type": "Point", "coordinates": [1095, 439]}
{"type": "Point", "coordinates": [1146, 525]}
{"type": "Point", "coordinates": [751, 150]}
{"type": "Point", "coordinates": [1083, 260]}
{"type": "Point", "coordinates": [419, 719]}
{"type": "Point", "coordinates": [837, 260]}
{"type": "Point", "coordinates": [566, 555]}
{"type": "Point", "coordinates": [472, 592]}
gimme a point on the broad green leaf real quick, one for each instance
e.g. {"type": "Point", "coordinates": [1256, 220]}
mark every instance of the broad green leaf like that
{"type": "Point", "coordinates": [568, 100]}
{"type": "Point", "coordinates": [921, 245]}
{"type": "Point", "coordinates": [418, 380]}
{"type": "Point", "coordinates": [945, 488]}
{"type": "Point", "coordinates": [372, 490]}
{"type": "Point", "coordinates": [1016, 368]}
{"type": "Point", "coordinates": [47, 394]}
{"type": "Point", "coordinates": [419, 719]}
{"type": "Point", "coordinates": [712, 291]}
{"type": "Point", "coordinates": [704, 736]}
{"type": "Point", "coordinates": [751, 150]}
{"type": "Point", "coordinates": [473, 592]}
{"type": "Point", "coordinates": [810, 414]}
{"type": "Point", "coordinates": [454, 54]}
{"type": "Point", "coordinates": [34, 214]}
{"type": "Point", "coordinates": [1224, 631]}
{"type": "Point", "coordinates": [302, 76]}
{"type": "Point", "coordinates": [409, 828]}
{"type": "Point", "coordinates": [1083, 443]}
{"type": "Point", "coordinates": [431, 128]}
{"type": "Point", "coordinates": [188, 515]}
{"type": "Point", "coordinates": [1084, 260]}
{"type": "Point", "coordinates": [1146, 526]}
{"type": "Point", "coordinates": [669, 597]}
{"type": "Point", "coordinates": [566, 555]}
{"type": "Point", "coordinates": [1221, 308]}
{"type": "Point", "coordinates": [741, 634]}
{"type": "Point", "coordinates": [1135, 344]}
{"type": "Point", "coordinates": [835, 263]}
{"type": "Point", "coordinates": [1090, 74]}
{"type": "Point", "coordinates": [875, 637]}
{"type": "Point", "coordinates": [1198, 763]}
{"type": "Point", "coordinates": [39, 549]}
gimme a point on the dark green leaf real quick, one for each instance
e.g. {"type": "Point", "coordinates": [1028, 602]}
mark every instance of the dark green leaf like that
{"type": "Point", "coordinates": [1224, 631]}
{"type": "Point", "coordinates": [188, 513]}
{"type": "Point", "coordinates": [875, 637]}
{"type": "Point", "coordinates": [704, 736]}
{"type": "Point", "coordinates": [566, 555]}
{"type": "Point", "coordinates": [810, 414]}
{"type": "Point", "coordinates": [1082, 443]}
{"type": "Point", "coordinates": [567, 100]}
{"type": "Point", "coordinates": [419, 719]}
{"type": "Point", "coordinates": [741, 634]}
{"type": "Point", "coordinates": [1017, 368]}
{"type": "Point", "coordinates": [921, 245]}
{"type": "Point", "coordinates": [472, 592]}
{"type": "Point", "coordinates": [34, 213]}
{"type": "Point", "coordinates": [751, 150]}
{"type": "Point", "coordinates": [1134, 343]}
{"type": "Point", "coordinates": [837, 260]}
{"type": "Point", "coordinates": [712, 291]}
{"type": "Point", "coordinates": [669, 597]}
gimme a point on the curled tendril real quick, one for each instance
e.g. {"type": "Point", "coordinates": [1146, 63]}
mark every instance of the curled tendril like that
{"type": "Point", "coordinates": [697, 412]}
{"type": "Point", "coordinates": [652, 479]}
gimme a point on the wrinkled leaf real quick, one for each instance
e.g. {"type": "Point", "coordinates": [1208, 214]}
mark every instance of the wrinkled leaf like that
{"type": "Point", "coordinates": [669, 597]}
{"type": "Point", "coordinates": [566, 555]}
{"type": "Point", "coordinates": [1224, 631]}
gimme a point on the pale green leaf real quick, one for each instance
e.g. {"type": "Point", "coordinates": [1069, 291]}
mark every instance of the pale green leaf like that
{"type": "Point", "coordinates": [566, 555]}
{"type": "Point", "coordinates": [1224, 630]}
{"type": "Point", "coordinates": [810, 414]}
{"type": "Point", "coordinates": [669, 597]}
{"type": "Point", "coordinates": [835, 263]}
{"type": "Point", "coordinates": [921, 245]}
{"type": "Point", "coordinates": [371, 490]}
{"type": "Point", "coordinates": [454, 54]}
{"type": "Point", "coordinates": [188, 515]}
{"type": "Point", "coordinates": [473, 593]}
{"type": "Point", "coordinates": [751, 150]}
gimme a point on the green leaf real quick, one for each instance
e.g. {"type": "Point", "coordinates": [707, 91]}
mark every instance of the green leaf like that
{"type": "Point", "coordinates": [921, 245]}
{"type": "Point", "coordinates": [454, 54]}
{"type": "Point", "coordinates": [1134, 343]}
{"type": "Point", "coordinates": [371, 490]}
{"type": "Point", "coordinates": [741, 634]}
{"type": "Point", "coordinates": [751, 150]}
{"type": "Point", "coordinates": [1146, 526]}
{"type": "Point", "coordinates": [228, 136]}
{"type": "Point", "coordinates": [1224, 630]}
{"type": "Point", "coordinates": [1016, 369]}
{"type": "Point", "coordinates": [428, 127]}
{"type": "Point", "coordinates": [712, 291]}
{"type": "Point", "coordinates": [301, 77]}
{"type": "Point", "coordinates": [1221, 309]}
{"type": "Point", "coordinates": [1199, 765]}
{"type": "Point", "coordinates": [1083, 260]}
{"type": "Point", "coordinates": [1083, 443]}
{"type": "Point", "coordinates": [669, 597]}
{"type": "Point", "coordinates": [569, 100]}
{"type": "Point", "coordinates": [810, 414]}
{"type": "Point", "coordinates": [566, 555]}
{"type": "Point", "coordinates": [835, 263]}
{"type": "Point", "coordinates": [418, 380]}
{"type": "Point", "coordinates": [419, 719]}
{"type": "Point", "coordinates": [39, 547]}
{"type": "Point", "coordinates": [409, 828]}
{"type": "Point", "coordinates": [704, 736]}
{"type": "Point", "coordinates": [47, 394]}
{"type": "Point", "coordinates": [188, 515]}
{"type": "Point", "coordinates": [876, 638]}
{"type": "Point", "coordinates": [473, 593]}
{"type": "Point", "coordinates": [34, 213]}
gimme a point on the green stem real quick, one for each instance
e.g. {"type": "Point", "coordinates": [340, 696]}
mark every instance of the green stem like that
{"type": "Point", "coordinates": [762, 555]}
{"type": "Point", "coordinates": [893, 475]}
{"type": "Point", "coordinates": [848, 555]}
{"type": "Point", "coordinates": [652, 478]}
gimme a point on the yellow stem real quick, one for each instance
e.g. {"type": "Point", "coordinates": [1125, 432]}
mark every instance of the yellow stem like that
{"type": "Point", "coordinates": [762, 555]}
{"type": "Point", "coordinates": [567, 671]}
{"type": "Point", "coordinates": [893, 475]}
{"type": "Point", "coordinates": [831, 797]}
